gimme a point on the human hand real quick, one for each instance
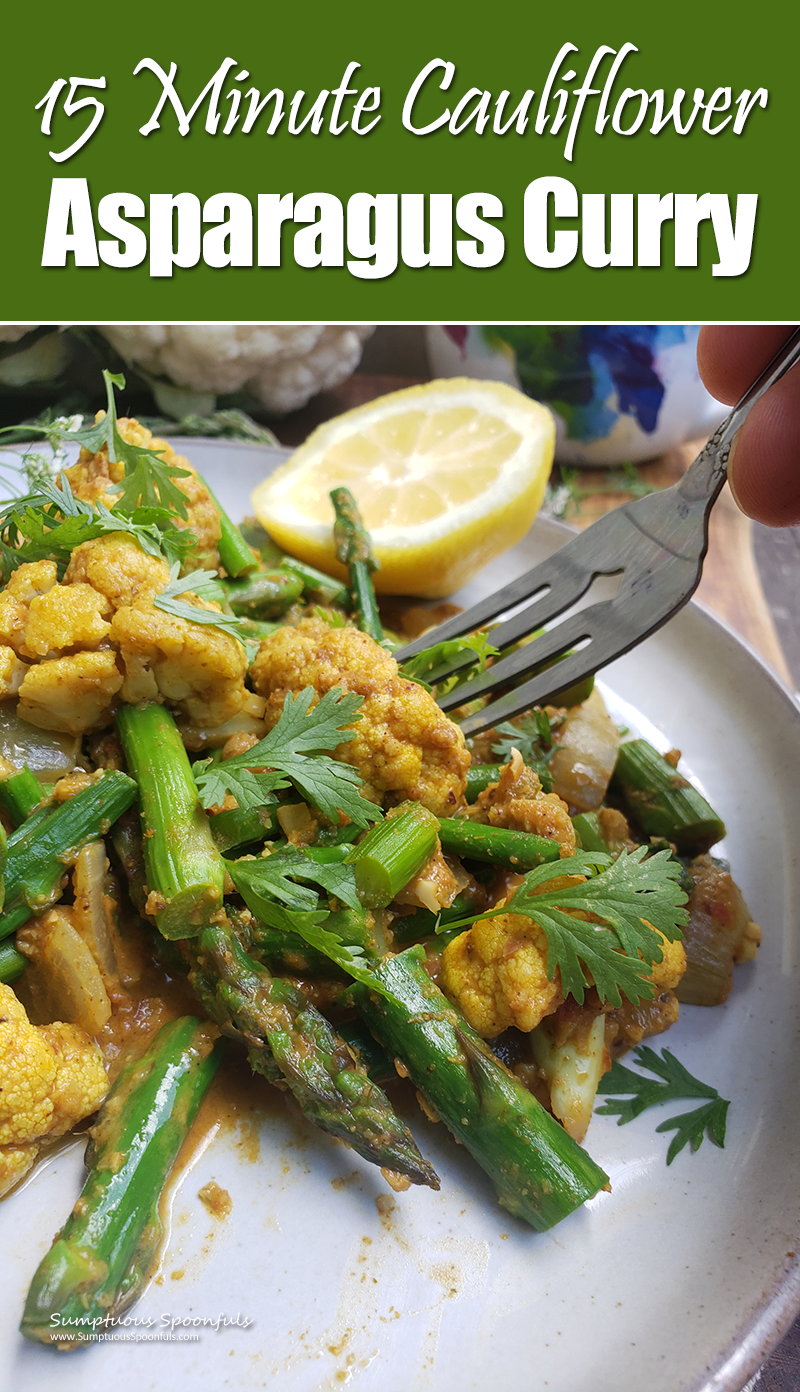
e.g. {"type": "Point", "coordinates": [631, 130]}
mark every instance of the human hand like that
{"type": "Point", "coordinates": [764, 466]}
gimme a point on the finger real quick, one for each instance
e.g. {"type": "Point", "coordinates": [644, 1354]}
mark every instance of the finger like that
{"type": "Point", "coordinates": [764, 467]}
{"type": "Point", "coordinates": [730, 356]}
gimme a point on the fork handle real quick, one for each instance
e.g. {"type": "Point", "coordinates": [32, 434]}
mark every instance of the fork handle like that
{"type": "Point", "coordinates": [705, 478]}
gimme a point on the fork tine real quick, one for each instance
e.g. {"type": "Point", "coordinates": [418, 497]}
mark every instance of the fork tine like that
{"type": "Point", "coordinates": [565, 576]}
{"type": "Point", "coordinates": [542, 649]}
{"type": "Point", "coordinates": [569, 671]}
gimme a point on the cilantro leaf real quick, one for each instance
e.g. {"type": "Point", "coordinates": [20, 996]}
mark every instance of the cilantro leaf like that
{"type": "Point", "coordinates": [307, 923]}
{"type": "Point", "coordinates": [424, 666]}
{"type": "Point", "coordinates": [631, 896]}
{"type": "Point", "coordinates": [274, 873]}
{"type": "Point", "coordinates": [676, 1082]}
{"type": "Point", "coordinates": [532, 735]}
{"type": "Point", "coordinates": [149, 480]}
{"type": "Point", "coordinates": [178, 585]}
{"type": "Point", "coordinates": [296, 747]}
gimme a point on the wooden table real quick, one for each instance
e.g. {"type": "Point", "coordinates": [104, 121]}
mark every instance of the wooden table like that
{"type": "Point", "coordinates": [751, 579]}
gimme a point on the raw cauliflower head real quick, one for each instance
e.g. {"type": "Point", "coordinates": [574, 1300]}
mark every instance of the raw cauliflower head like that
{"type": "Point", "coordinates": [51, 1077]}
{"type": "Point", "coordinates": [71, 651]}
{"type": "Point", "coordinates": [94, 476]}
{"type": "Point", "coordinates": [283, 365]}
{"type": "Point", "coordinates": [404, 746]}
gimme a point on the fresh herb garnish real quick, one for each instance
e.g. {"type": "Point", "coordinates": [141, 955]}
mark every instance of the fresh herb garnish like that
{"type": "Point", "coordinates": [170, 603]}
{"type": "Point", "coordinates": [632, 896]}
{"type": "Point", "coordinates": [424, 666]}
{"type": "Point", "coordinates": [532, 735]}
{"type": "Point", "coordinates": [307, 923]}
{"type": "Point", "coordinates": [676, 1082]}
{"type": "Point", "coordinates": [275, 874]}
{"type": "Point", "coordinates": [296, 749]}
{"type": "Point", "coordinates": [149, 480]}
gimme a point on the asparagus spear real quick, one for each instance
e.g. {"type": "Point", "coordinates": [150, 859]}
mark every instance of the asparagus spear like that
{"type": "Point", "coordinates": [288, 1039]}
{"type": "Point", "coordinates": [234, 552]}
{"type": "Point", "coordinates": [519, 850]}
{"type": "Point", "coordinates": [49, 839]}
{"type": "Point", "coordinates": [12, 963]}
{"type": "Point", "coordinates": [20, 794]}
{"type": "Point", "coordinates": [353, 549]}
{"type": "Point", "coordinates": [318, 585]}
{"type": "Point", "coordinates": [185, 871]}
{"type": "Point", "coordinates": [392, 853]}
{"type": "Point", "coordinates": [264, 595]}
{"type": "Point", "coordinates": [479, 776]}
{"type": "Point", "coordinates": [540, 1174]}
{"type": "Point", "coordinates": [236, 827]}
{"type": "Point", "coordinates": [662, 802]}
{"type": "Point", "coordinates": [99, 1261]}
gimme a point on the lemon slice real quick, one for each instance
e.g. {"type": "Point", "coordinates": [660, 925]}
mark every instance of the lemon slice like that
{"type": "Point", "coordinates": [447, 476]}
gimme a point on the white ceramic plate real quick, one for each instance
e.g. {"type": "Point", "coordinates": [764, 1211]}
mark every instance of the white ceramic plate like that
{"type": "Point", "coordinates": [680, 1279]}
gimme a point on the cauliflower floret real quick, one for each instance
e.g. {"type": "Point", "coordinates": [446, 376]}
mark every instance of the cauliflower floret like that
{"type": "Point", "coordinates": [118, 568]}
{"type": "Point", "coordinates": [12, 672]}
{"type": "Point", "coordinates": [94, 475]}
{"type": "Point", "coordinates": [517, 803]}
{"type": "Point", "coordinates": [50, 1078]}
{"type": "Point", "coordinates": [70, 694]}
{"type": "Point", "coordinates": [199, 669]}
{"type": "Point", "coordinates": [496, 973]}
{"type": "Point", "coordinates": [28, 582]}
{"type": "Point", "coordinates": [404, 746]}
{"type": "Point", "coordinates": [283, 365]}
{"type": "Point", "coordinates": [68, 616]}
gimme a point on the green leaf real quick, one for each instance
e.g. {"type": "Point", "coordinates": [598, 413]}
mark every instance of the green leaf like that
{"type": "Point", "coordinates": [149, 480]}
{"type": "Point", "coordinates": [675, 1082]}
{"type": "Point", "coordinates": [308, 924]}
{"type": "Point", "coordinates": [296, 747]}
{"type": "Point", "coordinates": [424, 666]}
{"type": "Point", "coordinates": [178, 585]}
{"type": "Point", "coordinates": [632, 896]}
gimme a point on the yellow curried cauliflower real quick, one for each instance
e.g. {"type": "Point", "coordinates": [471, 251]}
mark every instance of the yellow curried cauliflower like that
{"type": "Point", "coordinates": [97, 637]}
{"type": "Point", "coordinates": [51, 1077]}
{"type": "Point", "coordinates": [70, 694]}
{"type": "Point", "coordinates": [200, 670]}
{"type": "Point", "coordinates": [496, 973]}
{"type": "Point", "coordinates": [93, 476]}
{"type": "Point", "coordinates": [404, 747]}
{"type": "Point", "coordinates": [118, 568]}
{"type": "Point", "coordinates": [517, 803]}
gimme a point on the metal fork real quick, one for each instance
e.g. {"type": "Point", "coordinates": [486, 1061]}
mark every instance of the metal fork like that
{"type": "Point", "coordinates": [657, 543]}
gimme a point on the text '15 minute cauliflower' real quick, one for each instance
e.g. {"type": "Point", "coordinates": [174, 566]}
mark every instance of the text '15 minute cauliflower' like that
{"type": "Point", "coordinates": [71, 650]}
{"type": "Point", "coordinates": [404, 746]}
{"type": "Point", "coordinates": [51, 1077]}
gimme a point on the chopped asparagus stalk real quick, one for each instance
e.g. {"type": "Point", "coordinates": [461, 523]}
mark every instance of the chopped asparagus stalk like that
{"type": "Point", "coordinates": [540, 1174]}
{"type": "Point", "coordinates": [185, 871]}
{"type": "Point", "coordinates": [40, 850]}
{"type": "Point", "coordinates": [283, 1030]}
{"type": "Point", "coordinates": [100, 1259]}
{"type": "Point", "coordinates": [234, 552]}
{"type": "Point", "coordinates": [263, 596]}
{"type": "Point", "coordinates": [662, 802]}
{"type": "Point", "coordinates": [354, 549]}
{"type": "Point", "coordinates": [517, 850]}
{"type": "Point", "coordinates": [413, 927]}
{"type": "Point", "coordinates": [587, 830]}
{"type": "Point", "coordinates": [392, 853]}
{"type": "Point", "coordinates": [20, 794]}
{"type": "Point", "coordinates": [479, 776]}
{"type": "Point", "coordinates": [237, 827]}
{"type": "Point", "coordinates": [12, 963]}
{"type": "Point", "coordinates": [318, 585]}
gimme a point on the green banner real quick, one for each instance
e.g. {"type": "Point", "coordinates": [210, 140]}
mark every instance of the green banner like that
{"type": "Point", "coordinates": [422, 161]}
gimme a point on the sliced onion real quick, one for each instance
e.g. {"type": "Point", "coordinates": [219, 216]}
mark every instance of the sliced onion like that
{"type": "Point", "coordinates": [63, 981]}
{"type": "Point", "coordinates": [582, 766]}
{"type": "Point", "coordinates": [48, 755]}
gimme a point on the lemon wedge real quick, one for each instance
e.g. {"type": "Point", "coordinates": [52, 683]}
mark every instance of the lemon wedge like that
{"type": "Point", "coordinates": [446, 475]}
